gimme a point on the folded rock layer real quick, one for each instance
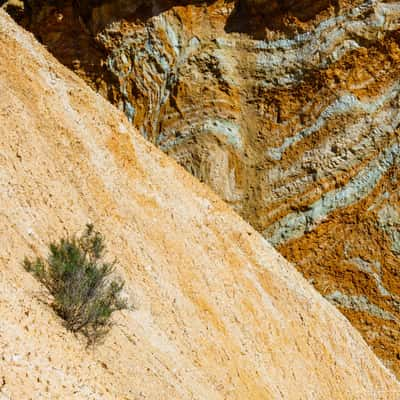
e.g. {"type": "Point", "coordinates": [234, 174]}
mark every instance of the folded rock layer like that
{"type": "Point", "coordinates": [216, 312]}
{"type": "Point", "coordinates": [287, 109]}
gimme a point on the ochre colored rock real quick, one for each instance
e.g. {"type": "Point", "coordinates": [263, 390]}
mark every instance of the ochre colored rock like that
{"type": "Point", "coordinates": [289, 110]}
{"type": "Point", "coordinates": [217, 312]}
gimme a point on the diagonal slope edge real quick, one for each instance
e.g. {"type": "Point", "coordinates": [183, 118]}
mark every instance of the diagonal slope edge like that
{"type": "Point", "coordinates": [219, 314]}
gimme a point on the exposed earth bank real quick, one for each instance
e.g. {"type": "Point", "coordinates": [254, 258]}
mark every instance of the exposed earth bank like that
{"type": "Point", "coordinates": [289, 110]}
{"type": "Point", "coordinates": [216, 312]}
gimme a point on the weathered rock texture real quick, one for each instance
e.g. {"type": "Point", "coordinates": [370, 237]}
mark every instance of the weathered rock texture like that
{"type": "Point", "coordinates": [288, 109]}
{"type": "Point", "coordinates": [218, 313]}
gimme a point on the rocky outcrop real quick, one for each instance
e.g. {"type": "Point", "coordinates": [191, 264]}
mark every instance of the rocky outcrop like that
{"type": "Point", "coordinates": [288, 110]}
{"type": "Point", "coordinates": [216, 312]}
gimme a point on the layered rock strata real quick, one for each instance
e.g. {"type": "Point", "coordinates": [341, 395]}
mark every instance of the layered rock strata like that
{"type": "Point", "coordinates": [216, 312]}
{"type": "Point", "coordinates": [288, 110]}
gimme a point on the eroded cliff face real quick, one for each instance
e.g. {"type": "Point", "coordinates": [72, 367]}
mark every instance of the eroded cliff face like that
{"type": "Point", "coordinates": [288, 110]}
{"type": "Point", "coordinates": [216, 314]}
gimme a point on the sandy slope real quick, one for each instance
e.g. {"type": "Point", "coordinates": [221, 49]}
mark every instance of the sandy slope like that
{"type": "Point", "coordinates": [218, 313]}
{"type": "Point", "coordinates": [288, 109]}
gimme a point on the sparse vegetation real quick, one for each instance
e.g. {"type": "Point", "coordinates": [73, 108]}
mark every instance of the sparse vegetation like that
{"type": "Point", "coordinates": [75, 273]}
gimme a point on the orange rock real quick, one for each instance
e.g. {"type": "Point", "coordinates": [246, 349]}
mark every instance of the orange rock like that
{"type": "Point", "coordinates": [286, 109]}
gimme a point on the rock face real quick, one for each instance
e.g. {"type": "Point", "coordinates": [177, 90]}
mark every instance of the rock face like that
{"type": "Point", "coordinates": [289, 110]}
{"type": "Point", "coordinates": [218, 314]}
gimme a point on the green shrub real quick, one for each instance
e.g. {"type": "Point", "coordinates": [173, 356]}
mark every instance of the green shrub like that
{"type": "Point", "coordinates": [75, 273]}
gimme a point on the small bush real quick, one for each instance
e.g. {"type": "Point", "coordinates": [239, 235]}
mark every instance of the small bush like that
{"type": "Point", "coordinates": [77, 276]}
